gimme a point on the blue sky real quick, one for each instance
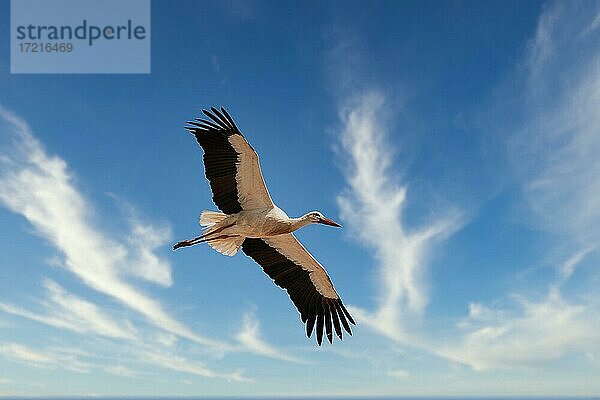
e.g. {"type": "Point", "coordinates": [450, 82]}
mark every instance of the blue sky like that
{"type": "Point", "coordinates": [456, 142]}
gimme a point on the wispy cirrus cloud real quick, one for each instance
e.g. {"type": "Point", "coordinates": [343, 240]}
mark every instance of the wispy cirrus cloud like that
{"type": "Point", "coordinates": [23, 353]}
{"type": "Point", "coordinates": [183, 364]}
{"type": "Point", "coordinates": [123, 371]}
{"type": "Point", "coordinates": [567, 268]}
{"type": "Point", "coordinates": [533, 334]}
{"type": "Point", "coordinates": [143, 240]}
{"type": "Point", "coordinates": [84, 362]}
{"type": "Point", "coordinates": [251, 340]}
{"type": "Point", "coordinates": [399, 374]}
{"type": "Point", "coordinates": [43, 358]}
{"type": "Point", "coordinates": [554, 148]}
{"type": "Point", "coordinates": [373, 207]}
{"type": "Point", "coordinates": [66, 311]}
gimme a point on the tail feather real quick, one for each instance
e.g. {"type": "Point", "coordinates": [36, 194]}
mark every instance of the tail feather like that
{"type": "Point", "coordinates": [209, 218]}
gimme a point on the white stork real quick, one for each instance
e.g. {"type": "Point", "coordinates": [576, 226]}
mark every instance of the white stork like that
{"type": "Point", "coordinates": [251, 220]}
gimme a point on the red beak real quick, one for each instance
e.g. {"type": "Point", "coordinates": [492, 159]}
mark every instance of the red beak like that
{"type": "Point", "coordinates": [327, 221]}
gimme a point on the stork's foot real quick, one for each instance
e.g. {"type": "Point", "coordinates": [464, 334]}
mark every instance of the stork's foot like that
{"type": "Point", "coordinates": [183, 243]}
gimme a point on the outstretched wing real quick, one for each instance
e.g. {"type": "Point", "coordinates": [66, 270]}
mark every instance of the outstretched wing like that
{"type": "Point", "coordinates": [294, 269]}
{"type": "Point", "coordinates": [231, 165]}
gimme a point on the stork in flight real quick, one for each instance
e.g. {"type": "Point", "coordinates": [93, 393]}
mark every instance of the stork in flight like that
{"type": "Point", "coordinates": [250, 220]}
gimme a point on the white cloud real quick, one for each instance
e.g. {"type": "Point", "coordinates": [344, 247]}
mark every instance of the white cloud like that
{"type": "Point", "coordinates": [43, 358]}
{"type": "Point", "coordinates": [399, 373]}
{"type": "Point", "coordinates": [67, 311]}
{"type": "Point", "coordinates": [536, 333]}
{"type": "Point", "coordinates": [19, 352]}
{"type": "Point", "coordinates": [123, 371]}
{"type": "Point", "coordinates": [141, 353]}
{"type": "Point", "coordinates": [182, 364]}
{"type": "Point", "coordinates": [143, 242]}
{"type": "Point", "coordinates": [542, 46]}
{"type": "Point", "coordinates": [40, 187]}
{"type": "Point", "coordinates": [251, 340]}
{"type": "Point", "coordinates": [166, 339]}
{"type": "Point", "coordinates": [567, 268]}
{"type": "Point", "coordinates": [373, 207]}
{"type": "Point", "coordinates": [555, 146]}
{"type": "Point", "coordinates": [143, 239]}
{"type": "Point", "coordinates": [529, 332]}
{"type": "Point", "coordinates": [594, 24]}
{"type": "Point", "coordinates": [77, 311]}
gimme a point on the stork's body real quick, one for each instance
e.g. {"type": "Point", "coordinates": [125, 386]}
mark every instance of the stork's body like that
{"type": "Point", "coordinates": [259, 223]}
{"type": "Point", "coordinates": [251, 221]}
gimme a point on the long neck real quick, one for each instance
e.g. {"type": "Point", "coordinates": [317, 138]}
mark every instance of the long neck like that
{"type": "Point", "coordinates": [298, 223]}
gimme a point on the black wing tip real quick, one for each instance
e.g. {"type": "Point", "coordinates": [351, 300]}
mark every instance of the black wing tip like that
{"type": "Point", "coordinates": [224, 111]}
{"type": "Point", "coordinates": [218, 120]}
{"type": "Point", "coordinates": [335, 312]}
{"type": "Point", "coordinates": [329, 337]}
{"type": "Point", "coordinates": [346, 313]}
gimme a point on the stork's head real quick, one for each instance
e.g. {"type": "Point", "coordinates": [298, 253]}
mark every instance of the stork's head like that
{"type": "Point", "coordinates": [315, 217]}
